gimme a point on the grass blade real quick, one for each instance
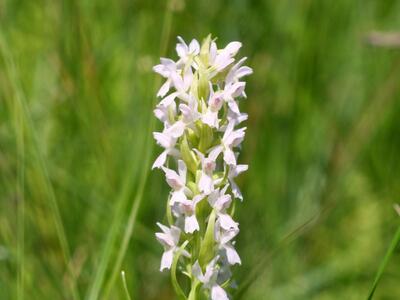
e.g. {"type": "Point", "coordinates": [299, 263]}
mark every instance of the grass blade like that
{"type": "Point", "coordinates": [12, 74]}
{"type": "Point", "coordinates": [385, 261]}
{"type": "Point", "coordinates": [125, 285]}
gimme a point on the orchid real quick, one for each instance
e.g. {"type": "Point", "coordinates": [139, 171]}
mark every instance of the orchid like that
{"type": "Point", "coordinates": [169, 238]}
{"type": "Point", "coordinates": [199, 109]}
{"type": "Point", "coordinates": [209, 279]}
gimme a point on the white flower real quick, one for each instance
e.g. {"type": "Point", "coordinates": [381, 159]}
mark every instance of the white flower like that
{"type": "Point", "coordinates": [185, 52]}
{"type": "Point", "coordinates": [238, 71]}
{"type": "Point", "coordinates": [168, 142]}
{"type": "Point", "coordinates": [215, 102]}
{"type": "Point", "coordinates": [188, 209]}
{"type": "Point", "coordinates": [190, 111]}
{"type": "Point", "coordinates": [201, 88]}
{"type": "Point", "coordinates": [220, 59]}
{"type": "Point", "coordinates": [231, 91]}
{"type": "Point", "coordinates": [177, 182]}
{"type": "Point", "coordinates": [224, 239]}
{"type": "Point", "coordinates": [235, 118]}
{"type": "Point", "coordinates": [169, 70]}
{"type": "Point", "coordinates": [169, 238]}
{"type": "Point", "coordinates": [208, 164]}
{"type": "Point", "coordinates": [209, 279]}
{"type": "Point", "coordinates": [166, 113]}
{"type": "Point", "coordinates": [232, 138]}
{"type": "Point", "coordinates": [221, 202]}
{"type": "Point", "coordinates": [234, 171]}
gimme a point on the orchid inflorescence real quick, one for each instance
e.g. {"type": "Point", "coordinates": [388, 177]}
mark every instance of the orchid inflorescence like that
{"type": "Point", "coordinates": [200, 111]}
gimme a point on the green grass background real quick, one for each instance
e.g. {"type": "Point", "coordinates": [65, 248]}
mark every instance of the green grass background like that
{"type": "Point", "coordinates": [78, 202]}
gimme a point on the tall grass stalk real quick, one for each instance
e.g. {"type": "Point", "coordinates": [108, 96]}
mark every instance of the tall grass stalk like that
{"type": "Point", "coordinates": [128, 296]}
{"type": "Point", "coordinates": [137, 200]}
{"type": "Point", "coordinates": [26, 120]}
{"type": "Point", "coordinates": [20, 195]}
{"type": "Point", "coordinates": [393, 244]}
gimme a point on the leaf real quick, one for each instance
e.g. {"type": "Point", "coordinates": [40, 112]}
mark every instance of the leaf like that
{"type": "Point", "coordinates": [207, 245]}
{"type": "Point", "coordinates": [174, 280]}
{"type": "Point", "coordinates": [384, 262]}
{"type": "Point", "coordinates": [188, 155]}
{"type": "Point", "coordinates": [193, 291]}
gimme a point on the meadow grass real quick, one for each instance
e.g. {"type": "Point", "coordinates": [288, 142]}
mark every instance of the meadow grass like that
{"type": "Point", "coordinates": [78, 203]}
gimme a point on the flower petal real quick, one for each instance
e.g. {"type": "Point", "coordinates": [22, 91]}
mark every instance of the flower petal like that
{"type": "Point", "coordinates": [227, 222]}
{"type": "Point", "coordinates": [231, 254]}
{"type": "Point", "coordinates": [191, 224]}
{"type": "Point", "coordinates": [160, 160]}
{"type": "Point", "coordinates": [166, 259]}
{"type": "Point", "coordinates": [218, 293]}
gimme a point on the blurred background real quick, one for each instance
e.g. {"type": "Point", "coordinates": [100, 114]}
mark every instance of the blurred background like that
{"type": "Point", "coordinates": [78, 202]}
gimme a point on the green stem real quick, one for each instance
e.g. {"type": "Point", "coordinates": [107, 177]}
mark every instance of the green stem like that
{"type": "Point", "coordinates": [384, 262]}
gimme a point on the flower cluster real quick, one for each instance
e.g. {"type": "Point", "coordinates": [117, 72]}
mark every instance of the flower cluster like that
{"type": "Point", "coordinates": [200, 113]}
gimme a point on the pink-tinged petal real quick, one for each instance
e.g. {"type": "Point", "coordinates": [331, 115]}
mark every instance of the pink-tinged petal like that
{"type": "Point", "coordinates": [181, 48]}
{"type": "Point", "coordinates": [166, 260]}
{"type": "Point", "coordinates": [176, 130]}
{"type": "Point", "coordinates": [244, 71]}
{"type": "Point", "coordinates": [161, 113]}
{"type": "Point", "coordinates": [167, 101]}
{"type": "Point", "coordinates": [205, 184]}
{"type": "Point", "coordinates": [164, 88]}
{"type": "Point", "coordinates": [178, 82]}
{"type": "Point", "coordinates": [228, 132]}
{"type": "Point", "coordinates": [194, 47]}
{"type": "Point", "coordinates": [213, 197]}
{"type": "Point", "coordinates": [191, 224]}
{"type": "Point", "coordinates": [232, 48]}
{"type": "Point", "coordinates": [209, 165]}
{"type": "Point", "coordinates": [165, 240]}
{"type": "Point", "coordinates": [227, 236]}
{"type": "Point", "coordinates": [182, 170]}
{"type": "Point", "coordinates": [163, 139]}
{"type": "Point", "coordinates": [216, 101]}
{"type": "Point", "coordinates": [229, 156]}
{"type": "Point", "coordinates": [235, 190]}
{"type": "Point", "coordinates": [175, 233]}
{"type": "Point", "coordinates": [227, 222]}
{"type": "Point", "coordinates": [168, 63]}
{"type": "Point", "coordinates": [196, 271]}
{"type": "Point", "coordinates": [235, 137]}
{"type": "Point", "coordinates": [160, 160]}
{"type": "Point", "coordinates": [213, 52]}
{"type": "Point", "coordinates": [162, 70]}
{"type": "Point", "coordinates": [223, 201]}
{"type": "Point", "coordinates": [215, 152]}
{"type": "Point", "coordinates": [164, 228]}
{"type": "Point", "coordinates": [177, 197]}
{"type": "Point", "coordinates": [238, 137]}
{"type": "Point", "coordinates": [173, 179]}
{"type": "Point", "coordinates": [241, 168]}
{"type": "Point", "coordinates": [197, 199]}
{"type": "Point", "coordinates": [222, 61]}
{"type": "Point", "coordinates": [174, 152]}
{"type": "Point", "coordinates": [211, 119]}
{"type": "Point", "coordinates": [234, 106]}
{"type": "Point", "coordinates": [237, 89]}
{"type": "Point", "coordinates": [232, 75]}
{"type": "Point", "coordinates": [232, 256]}
{"type": "Point", "coordinates": [218, 293]}
{"type": "Point", "coordinates": [187, 78]}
